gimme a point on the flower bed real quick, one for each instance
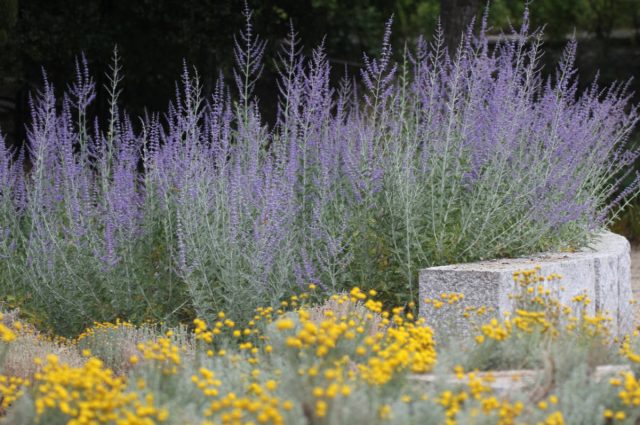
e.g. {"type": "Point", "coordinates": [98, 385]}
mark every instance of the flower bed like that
{"type": "Point", "coordinates": [435, 158]}
{"type": "Point", "coordinates": [344, 361]}
{"type": "Point", "coordinates": [211, 217]}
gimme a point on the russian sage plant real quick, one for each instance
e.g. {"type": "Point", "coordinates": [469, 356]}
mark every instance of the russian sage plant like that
{"type": "Point", "coordinates": [440, 157]}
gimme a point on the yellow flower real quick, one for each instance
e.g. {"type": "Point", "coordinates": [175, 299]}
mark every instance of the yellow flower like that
{"type": "Point", "coordinates": [287, 405]}
{"type": "Point", "coordinates": [384, 412]}
{"type": "Point", "coordinates": [271, 385]}
{"type": "Point", "coordinates": [90, 391]}
{"type": "Point", "coordinates": [321, 408]}
{"type": "Point", "coordinates": [285, 324]}
{"type": "Point", "coordinates": [6, 334]}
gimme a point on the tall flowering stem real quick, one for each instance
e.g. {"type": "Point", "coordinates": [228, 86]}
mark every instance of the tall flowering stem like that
{"type": "Point", "coordinates": [442, 157]}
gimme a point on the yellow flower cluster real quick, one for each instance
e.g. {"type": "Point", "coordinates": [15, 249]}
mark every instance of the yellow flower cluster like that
{"type": "Point", "coordinates": [504, 411]}
{"type": "Point", "coordinates": [449, 298]}
{"type": "Point", "coordinates": [582, 299]}
{"type": "Point", "coordinates": [99, 327]}
{"type": "Point", "coordinates": [620, 415]}
{"type": "Point", "coordinates": [478, 311]}
{"type": "Point", "coordinates": [409, 345]}
{"type": "Point", "coordinates": [323, 337]}
{"type": "Point", "coordinates": [452, 403]}
{"type": "Point", "coordinates": [630, 389]}
{"type": "Point", "coordinates": [539, 310]}
{"type": "Point", "coordinates": [400, 342]}
{"type": "Point", "coordinates": [554, 418]}
{"type": "Point", "coordinates": [11, 388]}
{"type": "Point", "coordinates": [6, 334]}
{"type": "Point", "coordinates": [329, 382]}
{"type": "Point", "coordinates": [90, 394]}
{"type": "Point", "coordinates": [528, 277]}
{"type": "Point", "coordinates": [629, 394]}
{"type": "Point", "coordinates": [592, 326]}
{"type": "Point", "coordinates": [341, 353]}
{"type": "Point", "coordinates": [627, 351]}
{"type": "Point", "coordinates": [163, 352]}
{"type": "Point", "coordinates": [528, 321]}
{"type": "Point", "coordinates": [495, 330]}
{"type": "Point", "coordinates": [263, 314]}
{"type": "Point", "coordinates": [232, 409]}
{"type": "Point", "coordinates": [203, 333]}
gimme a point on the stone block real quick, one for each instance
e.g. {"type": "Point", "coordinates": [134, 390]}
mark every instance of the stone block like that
{"type": "Point", "coordinates": [602, 271]}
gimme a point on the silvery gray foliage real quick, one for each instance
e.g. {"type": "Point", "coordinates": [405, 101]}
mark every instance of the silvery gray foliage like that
{"type": "Point", "coordinates": [443, 157]}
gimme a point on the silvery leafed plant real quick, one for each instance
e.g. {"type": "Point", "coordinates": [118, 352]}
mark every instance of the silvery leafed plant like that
{"type": "Point", "coordinates": [427, 157]}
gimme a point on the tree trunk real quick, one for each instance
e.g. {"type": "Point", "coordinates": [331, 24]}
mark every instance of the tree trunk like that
{"type": "Point", "coordinates": [455, 16]}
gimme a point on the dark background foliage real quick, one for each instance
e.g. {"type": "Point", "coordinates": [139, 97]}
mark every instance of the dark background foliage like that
{"type": "Point", "coordinates": [154, 36]}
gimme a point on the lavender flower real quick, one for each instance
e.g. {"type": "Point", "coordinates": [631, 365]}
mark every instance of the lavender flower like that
{"type": "Point", "coordinates": [443, 157]}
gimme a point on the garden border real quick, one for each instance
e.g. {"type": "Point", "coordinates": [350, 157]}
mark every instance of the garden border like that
{"type": "Point", "coordinates": [602, 271]}
{"type": "Point", "coordinates": [507, 381]}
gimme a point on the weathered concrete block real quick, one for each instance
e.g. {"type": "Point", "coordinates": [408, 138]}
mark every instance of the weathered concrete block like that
{"type": "Point", "coordinates": [602, 271]}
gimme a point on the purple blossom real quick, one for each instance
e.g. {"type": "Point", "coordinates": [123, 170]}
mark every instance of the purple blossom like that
{"type": "Point", "coordinates": [450, 156]}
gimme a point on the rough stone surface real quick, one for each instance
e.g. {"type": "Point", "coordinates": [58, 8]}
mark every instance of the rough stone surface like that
{"type": "Point", "coordinates": [635, 279]}
{"type": "Point", "coordinates": [602, 271]}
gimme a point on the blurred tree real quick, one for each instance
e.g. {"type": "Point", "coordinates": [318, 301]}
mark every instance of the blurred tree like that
{"type": "Point", "coordinates": [154, 36]}
{"type": "Point", "coordinates": [416, 17]}
{"type": "Point", "coordinates": [455, 16]}
{"type": "Point", "coordinates": [634, 16]}
{"type": "Point", "coordinates": [561, 17]}
{"type": "Point", "coordinates": [8, 16]}
{"type": "Point", "coordinates": [601, 16]}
